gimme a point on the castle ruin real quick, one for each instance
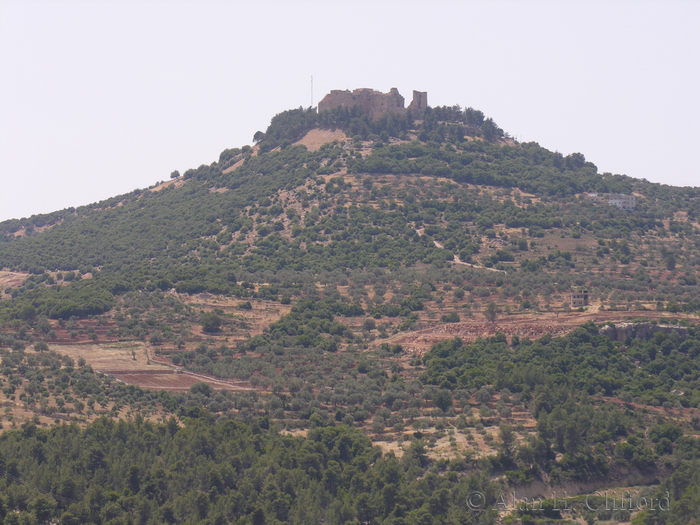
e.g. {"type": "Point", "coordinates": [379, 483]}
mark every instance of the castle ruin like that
{"type": "Point", "coordinates": [375, 103]}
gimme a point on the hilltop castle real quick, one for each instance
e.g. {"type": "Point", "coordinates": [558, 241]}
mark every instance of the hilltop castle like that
{"type": "Point", "coordinates": [376, 103]}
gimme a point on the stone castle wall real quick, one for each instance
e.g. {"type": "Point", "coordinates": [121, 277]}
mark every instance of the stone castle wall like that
{"type": "Point", "coordinates": [375, 103]}
{"type": "Point", "coordinates": [418, 104]}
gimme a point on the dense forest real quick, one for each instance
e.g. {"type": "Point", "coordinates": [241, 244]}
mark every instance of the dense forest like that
{"type": "Point", "coordinates": [370, 328]}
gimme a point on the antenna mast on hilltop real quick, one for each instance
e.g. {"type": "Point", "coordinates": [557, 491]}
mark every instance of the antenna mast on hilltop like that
{"type": "Point", "coordinates": [312, 91]}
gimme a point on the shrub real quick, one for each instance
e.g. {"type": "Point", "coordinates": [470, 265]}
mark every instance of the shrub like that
{"type": "Point", "coordinates": [452, 317]}
{"type": "Point", "coordinates": [211, 322]}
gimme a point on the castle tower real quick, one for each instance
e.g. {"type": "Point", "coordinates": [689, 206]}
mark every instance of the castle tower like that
{"type": "Point", "coordinates": [418, 105]}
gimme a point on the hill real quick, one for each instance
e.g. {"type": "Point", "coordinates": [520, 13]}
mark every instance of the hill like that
{"type": "Point", "coordinates": [409, 278]}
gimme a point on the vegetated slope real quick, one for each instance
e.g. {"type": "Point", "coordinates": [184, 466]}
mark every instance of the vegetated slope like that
{"type": "Point", "coordinates": [407, 226]}
{"type": "Point", "coordinates": [230, 471]}
{"type": "Point", "coordinates": [222, 472]}
{"type": "Point", "coordinates": [184, 237]}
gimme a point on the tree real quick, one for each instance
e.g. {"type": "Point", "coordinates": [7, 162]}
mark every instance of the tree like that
{"type": "Point", "coordinates": [175, 174]}
{"type": "Point", "coordinates": [490, 130]}
{"type": "Point", "coordinates": [202, 388]}
{"type": "Point", "coordinates": [156, 337]}
{"type": "Point", "coordinates": [211, 322]}
{"type": "Point", "coordinates": [43, 507]}
{"type": "Point", "coordinates": [491, 312]}
{"type": "Point", "coordinates": [27, 312]}
{"type": "Point", "coordinates": [483, 395]}
{"type": "Point", "coordinates": [507, 445]}
{"type": "Point", "coordinates": [369, 325]}
{"type": "Point", "coordinates": [443, 399]}
{"type": "Point", "coordinates": [671, 262]}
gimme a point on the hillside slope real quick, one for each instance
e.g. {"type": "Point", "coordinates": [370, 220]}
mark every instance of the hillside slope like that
{"type": "Point", "coordinates": [412, 279]}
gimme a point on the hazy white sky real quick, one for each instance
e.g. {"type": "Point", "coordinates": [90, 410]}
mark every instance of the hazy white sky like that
{"type": "Point", "coordinates": [100, 98]}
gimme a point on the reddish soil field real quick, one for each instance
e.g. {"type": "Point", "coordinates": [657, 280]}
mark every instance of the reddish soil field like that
{"type": "Point", "coordinates": [532, 325]}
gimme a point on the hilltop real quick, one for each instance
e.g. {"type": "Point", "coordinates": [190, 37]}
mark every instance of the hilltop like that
{"type": "Point", "coordinates": [408, 278]}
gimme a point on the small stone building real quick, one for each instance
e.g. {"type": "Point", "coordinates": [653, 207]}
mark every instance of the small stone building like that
{"type": "Point", "coordinates": [621, 200]}
{"type": "Point", "coordinates": [579, 298]}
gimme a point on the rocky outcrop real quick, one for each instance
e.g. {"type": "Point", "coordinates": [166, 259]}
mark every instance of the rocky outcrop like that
{"type": "Point", "coordinates": [623, 331]}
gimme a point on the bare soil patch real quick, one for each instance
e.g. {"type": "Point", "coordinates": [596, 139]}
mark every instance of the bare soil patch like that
{"type": "Point", "coordinates": [12, 279]}
{"type": "Point", "coordinates": [133, 363]}
{"type": "Point", "coordinates": [22, 232]}
{"type": "Point", "coordinates": [80, 334]}
{"type": "Point", "coordinates": [316, 138]}
{"type": "Point", "coordinates": [13, 415]}
{"type": "Point", "coordinates": [531, 324]}
{"type": "Point", "coordinates": [111, 357]}
{"type": "Point", "coordinates": [248, 323]}
{"type": "Point", "coordinates": [176, 183]}
{"type": "Point", "coordinates": [234, 166]}
{"type": "Point", "coordinates": [175, 380]}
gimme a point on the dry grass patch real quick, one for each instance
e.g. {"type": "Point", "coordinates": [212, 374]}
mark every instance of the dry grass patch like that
{"type": "Point", "coordinates": [126, 356]}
